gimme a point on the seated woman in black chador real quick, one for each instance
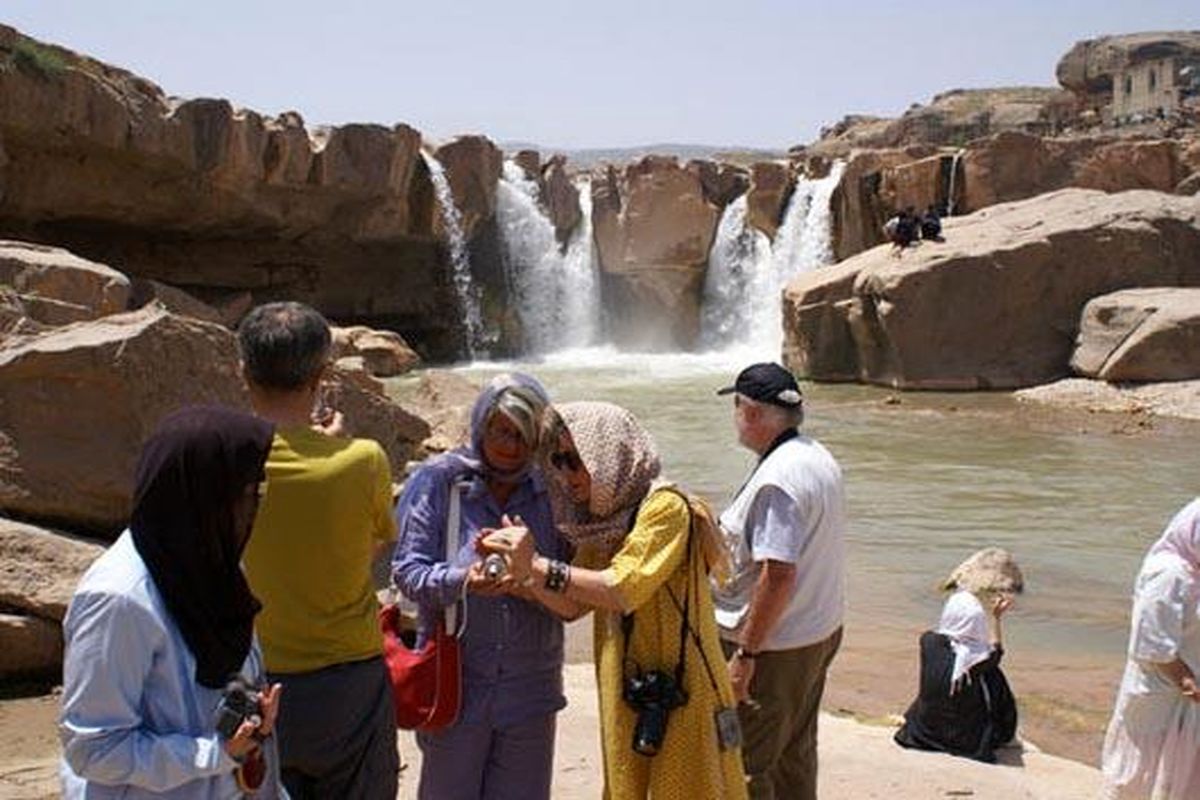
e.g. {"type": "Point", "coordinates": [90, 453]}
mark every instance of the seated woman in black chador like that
{"type": "Point", "coordinates": [964, 705]}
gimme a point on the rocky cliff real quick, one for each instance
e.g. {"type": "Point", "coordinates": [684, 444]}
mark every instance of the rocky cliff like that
{"type": "Point", "coordinates": [223, 200]}
{"type": "Point", "coordinates": [998, 303]}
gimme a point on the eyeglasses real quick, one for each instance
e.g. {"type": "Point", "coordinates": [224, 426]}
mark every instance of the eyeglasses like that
{"type": "Point", "coordinates": [566, 460]}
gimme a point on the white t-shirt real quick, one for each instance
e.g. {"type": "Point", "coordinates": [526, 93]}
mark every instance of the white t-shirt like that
{"type": "Point", "coordinates": [791, 510]}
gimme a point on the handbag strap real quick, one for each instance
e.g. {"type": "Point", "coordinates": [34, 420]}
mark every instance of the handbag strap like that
{"type": "Point", "coordinates": [453, 545]}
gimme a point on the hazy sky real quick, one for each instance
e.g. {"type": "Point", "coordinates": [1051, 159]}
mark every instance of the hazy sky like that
{"type": "Point", "coordinates": [599, 74]}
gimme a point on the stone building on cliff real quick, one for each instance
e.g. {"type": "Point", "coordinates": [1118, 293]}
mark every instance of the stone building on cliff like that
{"type": "Point", "coordinates": [1135, 77]}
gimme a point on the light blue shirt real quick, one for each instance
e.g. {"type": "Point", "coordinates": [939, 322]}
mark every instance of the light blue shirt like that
{"type": "Point", "coordinates": [135, 723]}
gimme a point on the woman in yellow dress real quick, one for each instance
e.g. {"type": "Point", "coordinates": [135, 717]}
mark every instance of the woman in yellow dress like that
{"type": "Point", "coordinates": [643, 553]}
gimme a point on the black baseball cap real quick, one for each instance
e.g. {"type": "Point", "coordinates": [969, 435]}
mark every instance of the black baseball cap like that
{"type": "Point", "coordinates": [767, 383]}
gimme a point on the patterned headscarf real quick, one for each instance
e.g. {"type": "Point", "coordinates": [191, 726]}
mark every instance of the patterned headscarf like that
{"type": "Point", "coordinates": [622, 460]}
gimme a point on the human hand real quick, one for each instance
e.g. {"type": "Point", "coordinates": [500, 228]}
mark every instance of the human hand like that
{"type": "Point", "coordinates": [480, 584]}
{"type": "Point", "coordinates": [741, 673]}
{"type": "Point", "coordinates": [1001, 604]}
{"type": "Point", "coordinates": [515, 543]}
{"type": "Point", "coordinates": [332, 423]}
{"type": "Point", "coordinates": [1188, 686]}
{"type": "Point", "coordinates": [257, 727]}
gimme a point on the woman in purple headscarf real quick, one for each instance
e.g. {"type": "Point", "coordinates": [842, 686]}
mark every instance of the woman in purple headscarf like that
{"type": "Point", "coordinates": [502, 745]}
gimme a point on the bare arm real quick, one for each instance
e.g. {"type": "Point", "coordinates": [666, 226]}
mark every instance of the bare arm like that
{"type": "Point", "coordinates": [1181, 675]}
{"type": "Point", "coordinates": [772, 592]}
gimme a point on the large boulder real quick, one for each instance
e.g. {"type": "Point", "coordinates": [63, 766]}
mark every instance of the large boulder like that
{"type": "Point", "coordinates": [722, 182]}
{"type": "Point", "coordinates": [445, 400]}
{"type": "Point", "coordinates": [473, 165]}
{"type": "Point", "coordinates": [77, 402]}
{"type": "Point", "coordinates": [1140, 335]}
{"type": "Point", "coordinates": [41, 568]}
{"type": "Point", "coordinates": [385, 354]}
{"type": "Point", "coordinates": [653, 228]}
{"type": "Point", "coordinates": [201, 194]}
{"type": "Point", "coordinates": [371, 414]}
{"type": "Point", "coordinates": [29, 646]}
{"type": "Point", "coordinates": [58, 287]}
{"type": "Point", "coordinates": [998, 304]}
{"type": "Point", "coordinates": [771, 185]}
{"type": "Point", "coordinates": [173, 299]}
{"type": "Point", "coordinates": [560, 198]}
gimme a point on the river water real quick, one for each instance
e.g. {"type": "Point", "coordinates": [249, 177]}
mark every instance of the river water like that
{"type": "Point", "coordinates": [932, 477]}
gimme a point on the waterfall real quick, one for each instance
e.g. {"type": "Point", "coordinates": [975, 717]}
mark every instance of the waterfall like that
{"type": "Point", "coordinates": [581, 283]}
{"type": "Point", "coordinates": [747, 272]}
{"type": "Point", "coordinates": [953, 178]}
{"type": "Point", "coordinates": [740, 254]}
{"type": "Point", "coordinates": [554, 293]}
{"type": "Point", "coordinates": [464, 285]}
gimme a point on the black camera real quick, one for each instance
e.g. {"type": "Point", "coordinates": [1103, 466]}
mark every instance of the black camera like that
{"type": "Point", "coordinates": [239, 703]}
{"type": "Point", "coordinates": [653, 695]}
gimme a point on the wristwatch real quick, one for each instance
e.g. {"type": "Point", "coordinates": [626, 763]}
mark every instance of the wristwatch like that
{"type": "Point", "coordinates": [743, 653]}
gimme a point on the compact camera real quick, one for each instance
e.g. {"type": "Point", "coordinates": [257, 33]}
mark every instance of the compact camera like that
{"type": "Point", "coordinates": [239, 702]}
{"type": "Point", "coordinates": [495, 566]}
{"type": "Point", "coordinates": [653, 695]}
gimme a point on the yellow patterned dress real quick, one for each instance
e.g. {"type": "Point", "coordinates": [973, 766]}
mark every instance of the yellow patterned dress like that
{"type": "Point", "coordinates": [690, 764]}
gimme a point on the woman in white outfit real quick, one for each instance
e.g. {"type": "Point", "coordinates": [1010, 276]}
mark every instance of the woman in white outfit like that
{"type": "Point", "coordinates": [1152, 749]}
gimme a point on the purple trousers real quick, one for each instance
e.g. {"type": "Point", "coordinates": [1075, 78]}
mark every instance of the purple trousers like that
{"type": "Point", "coordinates": [482, 762]}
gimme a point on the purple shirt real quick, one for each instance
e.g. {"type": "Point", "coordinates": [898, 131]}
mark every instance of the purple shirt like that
{"type": "Point", "coordinates": [512, 648]}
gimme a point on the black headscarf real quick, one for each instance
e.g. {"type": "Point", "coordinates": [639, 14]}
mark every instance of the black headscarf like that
{"type": "Point", "coordinates": [191, 471]}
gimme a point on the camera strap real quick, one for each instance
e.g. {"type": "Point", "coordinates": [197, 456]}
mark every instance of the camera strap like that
{"type": "Point", "coordinates": [684, 613]}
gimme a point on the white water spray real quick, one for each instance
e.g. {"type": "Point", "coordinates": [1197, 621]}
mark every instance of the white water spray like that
{"type": "Point", "coordinates": [555, 293]}
{"type": "Point", "coordinates": [464, 285]}
{"type": "Point", "coordinates": [747, 272]}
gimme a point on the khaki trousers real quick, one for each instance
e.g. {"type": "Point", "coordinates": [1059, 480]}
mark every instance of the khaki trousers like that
{"type": "Point", "coordinates": [779, 730]}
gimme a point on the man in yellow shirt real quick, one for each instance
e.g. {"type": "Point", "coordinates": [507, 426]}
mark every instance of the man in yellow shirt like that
{"type": "Point", "coordinates": [326, 513]}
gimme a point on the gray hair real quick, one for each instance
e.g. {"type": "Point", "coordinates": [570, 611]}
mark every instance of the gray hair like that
{"type": "Point", "coordinates": [780, 416]}
{"type": "Point", "coordinates": [284, 345]}
{"type": "Point", "coordinates": [524, 409]}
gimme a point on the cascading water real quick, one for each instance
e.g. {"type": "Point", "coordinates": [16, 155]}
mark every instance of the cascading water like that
{"type": "Point", "coordinates": [739, 258]}
{"type": "Point", "coordinates": [464, 285]}
{"type": "Point", "coordinates": [953, 180]}
{"type": "Point", "coordinates": [746, 272]}
{"type": "Point", "coordinates": [555, 293]}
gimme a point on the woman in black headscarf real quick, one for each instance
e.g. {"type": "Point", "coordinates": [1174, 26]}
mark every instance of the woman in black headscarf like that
{"type": "Point", "coordinates": [162, 624]}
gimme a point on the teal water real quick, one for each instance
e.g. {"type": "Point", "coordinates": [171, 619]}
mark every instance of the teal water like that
{"type": "Point", "coordinates": [931, 478]}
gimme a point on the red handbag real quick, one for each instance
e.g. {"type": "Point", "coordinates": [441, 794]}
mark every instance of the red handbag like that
{"type": "Point", "coordinates": [426, 682]}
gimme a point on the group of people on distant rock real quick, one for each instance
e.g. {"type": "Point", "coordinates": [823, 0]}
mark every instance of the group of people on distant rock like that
{"type": "Point", "coordinates": [905, 227]}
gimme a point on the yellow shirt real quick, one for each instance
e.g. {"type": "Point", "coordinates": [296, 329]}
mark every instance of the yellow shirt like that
{"type": "Point", "coordinates": [328, 505]}
{"type": "Point", "coordinates": [652, 560]}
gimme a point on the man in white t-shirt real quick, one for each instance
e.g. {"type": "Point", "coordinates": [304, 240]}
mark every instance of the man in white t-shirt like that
{"type": "Point", "coordinates": [780, 614]}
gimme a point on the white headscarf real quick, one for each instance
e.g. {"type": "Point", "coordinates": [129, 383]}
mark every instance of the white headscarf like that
{"type": "Point", "coordinates": [964, 622]}
{"type": "Point", "coordinates": [1182, 537]}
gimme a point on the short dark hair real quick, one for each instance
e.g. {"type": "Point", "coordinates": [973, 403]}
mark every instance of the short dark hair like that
{"type": "Point", "coordinates": [284, 345]}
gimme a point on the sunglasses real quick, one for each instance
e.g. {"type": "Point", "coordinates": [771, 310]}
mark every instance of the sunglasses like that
{"type": "Point", "coordinates": [564, 460]}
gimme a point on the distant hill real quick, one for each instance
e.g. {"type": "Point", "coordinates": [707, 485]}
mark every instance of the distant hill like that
{"type": "Point", "coordinates": [586, 158]}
